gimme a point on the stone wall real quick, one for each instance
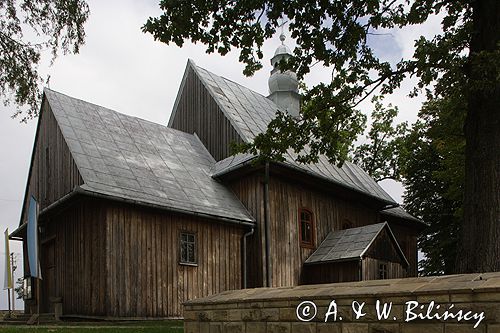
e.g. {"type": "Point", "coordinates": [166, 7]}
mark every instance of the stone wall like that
{"type": "Point", "coordinates": [268, 310]}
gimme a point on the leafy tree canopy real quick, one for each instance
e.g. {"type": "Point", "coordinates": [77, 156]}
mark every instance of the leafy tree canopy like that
{"type": "Point", "coordinates": [466, 53]}
{"type": "Point", "coordinates": [55, 25]}
{"type": "Point", "coordinates": [334, 33]}
{"type": "Point", "coordinates": [433, 175]}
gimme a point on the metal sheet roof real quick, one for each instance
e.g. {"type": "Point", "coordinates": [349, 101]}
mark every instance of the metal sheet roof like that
{"type": "Point", "coordinates": [250, 112]}
{"type": "Point", "coordinates": [349, 244]}
{"type": "Point", "coordinates": [135, 159]}
{"type": "Point", "coordinates": [399, 212]}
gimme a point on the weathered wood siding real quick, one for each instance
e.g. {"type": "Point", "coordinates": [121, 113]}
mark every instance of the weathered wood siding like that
{"type": "Point", "coordinates": [407, 239]}
{"type": "Point", "coordinates": [197, 112]}
{"type": "Point", "coordinates": [250, 190]}
{"type": "Point", "coordinates": [77, 274]}
{"type": "Point", "coordinates": [331, 273]}
{"type": "Point", "coordinates": [329, 213]}
{"type": "Point", "coordinates": [53, 172]}
{"type": "Point", "coordinates": [371, 269]}
{"type": "Point", "coordinates": [286, 198]}
{"type": "Point", "coordinates": [144, 278]}
{"type": "Point", "coordinates": [119, 260]}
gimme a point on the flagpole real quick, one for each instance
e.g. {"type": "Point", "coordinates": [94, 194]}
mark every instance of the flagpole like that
{"type": "Point", "coordinates": [8, 296]}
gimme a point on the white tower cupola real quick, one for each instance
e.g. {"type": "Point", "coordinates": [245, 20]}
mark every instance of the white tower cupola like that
{"type": "Point", "coordinates": [284, 86]}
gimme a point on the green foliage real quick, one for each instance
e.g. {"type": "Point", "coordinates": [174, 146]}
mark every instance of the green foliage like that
{"type": "Point", "coordinates": [334, 33]}
{"type": "Point", "coordinates": [433, 175]}
{"type": "Point", "coordinates": [19, 288]}
{"type": "Point", "coordinates": [56, 25]}
{"type": "Point", "coordinates": [381, 155]}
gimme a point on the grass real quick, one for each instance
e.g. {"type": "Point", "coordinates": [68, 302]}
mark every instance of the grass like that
{"type": "Point", "coordinates": [106, 327]}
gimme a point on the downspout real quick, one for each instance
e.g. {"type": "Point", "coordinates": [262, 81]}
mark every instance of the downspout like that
{"type": "Point", "coordinates": [267, 226]}
{"type": "Point", "coordinates": [360, 269]}
{"type": "Point", "coordinates": [250, 233]}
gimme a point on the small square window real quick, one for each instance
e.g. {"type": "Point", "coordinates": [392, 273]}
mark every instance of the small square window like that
{"type": "Point", "coordinates": [382, 271]}
{"type": "Point", "coordinates": [188, 248]}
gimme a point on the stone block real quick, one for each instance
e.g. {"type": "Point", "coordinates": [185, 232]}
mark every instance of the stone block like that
{"type": "Point", "coordinates": [493, 328]}
{"type": "Point", "coordinates": [256, 327]}
{"type": "Point", "coordinates": [234, 314]}
{"type": "Point", "coordinates": [328, 328]}
{"type": "Point", "coordinates": [288, 314]}
{"type": "Point", "coordinates": [419, 328]}
{"type": "Point", "coordinates": [463, 328]}
{"type": "Point", "coordinates": [219, 315]}
{"type": "Point", "coordinates": [383, 328]}
{"type": "Point", "coordinates": [250, 315]}
{"type": "Point", "coordinates": [191, 327]}
{"type": "Point", "coordinates": [272, 314]}
{"type": "Point", "coordinates": [354, 328]}
{"type": "Point", "coordinates": [237, 327]}
{"type": "Point", "coordinates": [215, 328]}
{"type": "Point", "coordinates": [278, 328]}
{"type": "Point", "coordinates": [309, 327]}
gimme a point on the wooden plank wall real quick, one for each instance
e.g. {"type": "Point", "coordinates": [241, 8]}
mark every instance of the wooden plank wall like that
{"type": "Point", "coordinates": [250, 190]}
{"type": "Point", "coordinates": [144, 278]}
{"type": "Point", "coordinates": [286, 198]}
{"type": "Point", "coordinates": [329, 212]}
{"type": "Point", "coordinates": [384, 248]}
{"type": "Point", "coordinates": [50, 184]}
{"type": "Point", "coordinates": [331, 273]}
{"type": "Point", "coordinates": [197, 112]}
{"type": "Point", "coordinates": [80, 277]}
{"type": "Point", "coordinates": [407, 239]}
{"type": "Point", "coordinates": [370, 269]}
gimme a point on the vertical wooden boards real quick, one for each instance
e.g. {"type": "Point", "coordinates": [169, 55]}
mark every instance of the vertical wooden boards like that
{"type": "Point", "coordinates": [79, 234]}
{"type": "Point", "coordinates": [53, 172]}
{"type": "Point", "coordinates": [197, 112]}
{"type": "Point", "coordinates": [250, 191]}
{"type": "Point", "coordinates": [286, 198]}
{"type": "Point", "coordinates": [161, 284]}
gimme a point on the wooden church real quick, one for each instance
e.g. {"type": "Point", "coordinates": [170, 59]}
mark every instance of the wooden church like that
{"type": "Point", "coordinates": [136, 217]}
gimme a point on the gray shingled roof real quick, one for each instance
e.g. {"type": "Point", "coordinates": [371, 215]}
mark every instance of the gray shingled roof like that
{"type": "Point", "coordinates": [349, 244]}
{"type": "Point", "coordinates": [399, 212]}
{"type": "Point", "coordinates": [131, 158]}
{"type": "Point", "coordinates": [250, 112]}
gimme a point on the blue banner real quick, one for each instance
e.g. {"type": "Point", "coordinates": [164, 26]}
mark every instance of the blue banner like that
{"type": "Point", "coordinates": [32, 236]}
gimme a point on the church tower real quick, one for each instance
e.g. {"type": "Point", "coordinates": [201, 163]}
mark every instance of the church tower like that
{"type": "Point", "coordinates": [284, 86]}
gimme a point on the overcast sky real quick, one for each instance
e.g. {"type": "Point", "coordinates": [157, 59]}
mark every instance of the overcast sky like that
{"type": "Point", "coordinates": [124, 69]}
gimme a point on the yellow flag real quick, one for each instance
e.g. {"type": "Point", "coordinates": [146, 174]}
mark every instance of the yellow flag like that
{"type": "Point", "coordinates": [8, 273]}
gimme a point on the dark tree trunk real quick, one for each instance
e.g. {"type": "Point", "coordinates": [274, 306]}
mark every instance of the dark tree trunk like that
{"type": "Point", "coordinates": [479, 246]}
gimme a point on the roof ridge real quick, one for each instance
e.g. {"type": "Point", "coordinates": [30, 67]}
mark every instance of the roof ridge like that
{"type": "Point", "coordinates": [117, 112]}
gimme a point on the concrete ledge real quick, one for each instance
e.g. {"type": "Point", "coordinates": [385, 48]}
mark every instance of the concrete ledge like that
{"type": "Point", "coordinates": [426, 304]}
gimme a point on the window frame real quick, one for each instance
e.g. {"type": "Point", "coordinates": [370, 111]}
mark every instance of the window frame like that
{"type": "Point", "coordinates": [383, 268]}
{"type": "Point", "coordinates": [195, 250]}
{"type": "Point", "coordinates": [304, 244]}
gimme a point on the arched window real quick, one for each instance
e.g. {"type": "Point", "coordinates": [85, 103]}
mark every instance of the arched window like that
{"type": "Point", "coordinates": [306, 228]}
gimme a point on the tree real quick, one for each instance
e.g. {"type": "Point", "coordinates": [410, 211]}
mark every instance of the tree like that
{"type": "Point", "coordinates": [433, 176]}
{"type": "Point", "coordinates": [336, 33]}
{"type": "Point", "coordinates": [380, 156]}
{"type": "Point", "coordinates": [55, 25]}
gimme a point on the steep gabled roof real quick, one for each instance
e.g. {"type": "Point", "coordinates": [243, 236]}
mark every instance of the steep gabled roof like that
{"type": "Point", "coordinates": [250, 112]}
{"type": "Point", "coordinates": [131, 158]}
{"type": "Point", "coordinates": [351, 244]}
